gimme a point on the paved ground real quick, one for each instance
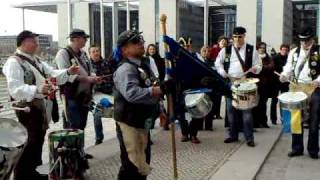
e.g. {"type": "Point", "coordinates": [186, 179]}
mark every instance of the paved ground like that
{"type": "Point", "coordinates": [279, 166]}
{"type": "Point", "coordinates": [195, 161]}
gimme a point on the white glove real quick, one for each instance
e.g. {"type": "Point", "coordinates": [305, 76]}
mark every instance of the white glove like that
{"type": "Point", "coordinates": [283, 78]}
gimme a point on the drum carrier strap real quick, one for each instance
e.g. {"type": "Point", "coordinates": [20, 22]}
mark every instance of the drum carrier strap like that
{"type": "Point", "coordinates": [248, 59]}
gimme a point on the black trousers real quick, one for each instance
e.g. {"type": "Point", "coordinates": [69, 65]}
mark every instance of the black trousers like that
{"type": "Point", "coordinates": [128, 170]}
{"type": "Point", "coordinates": [260, 112]}
{"type": "Point", "coordinates": [188, 129]}
{"type": "Point", "coordinates": [313, 138]}
{"type": "Point", "coordinates": [32, 153]}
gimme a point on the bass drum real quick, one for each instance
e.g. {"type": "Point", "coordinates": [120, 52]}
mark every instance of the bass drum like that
{"type": "Point", "coordinates": [13, 137]}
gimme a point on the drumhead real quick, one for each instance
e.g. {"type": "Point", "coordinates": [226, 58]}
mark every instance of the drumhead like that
{"type": "Point", "coordinates": [12, 133]}
{"type": "Point", "coordinates": [292, 97]}
{"type": "Point", "coordinates": [193, 99]}
{"type": "Point", "coordinates": [244, 87]}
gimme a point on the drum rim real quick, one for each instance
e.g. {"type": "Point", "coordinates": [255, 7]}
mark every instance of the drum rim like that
{"type": "Point", "coordinates": [24, 130]}
{"type": "Point", "coordinates": [301, 100]}
{"type": "Point", "coordinates": [200, 95]}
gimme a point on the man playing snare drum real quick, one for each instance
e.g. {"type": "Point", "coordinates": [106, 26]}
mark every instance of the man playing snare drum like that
{"type": "Point", "coordinates": [303, 65]}
{"type": "Point", "coordinates": [234, 62]}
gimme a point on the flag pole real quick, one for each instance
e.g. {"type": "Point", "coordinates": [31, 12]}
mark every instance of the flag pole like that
{"type": "Point", "coordinates": [163, 19]}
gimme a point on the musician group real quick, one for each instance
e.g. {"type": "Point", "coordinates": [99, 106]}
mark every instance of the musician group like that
{"type": "Point", "coordinates": [139, 86]}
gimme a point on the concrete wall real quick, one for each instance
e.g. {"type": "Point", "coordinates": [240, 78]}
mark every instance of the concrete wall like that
{"type": "Point", "coordinates": [169, 8]}
{"type": "Point", "coordinates": [147, 20]}
{"type": "Point", "coordinates": [80, 19]}
{"type": "Point", "coordinates": [62, 25]}
{"type": "Point", "coordinates": [247, 17]}
{"type": "Point", "coordinates": [272, 22]}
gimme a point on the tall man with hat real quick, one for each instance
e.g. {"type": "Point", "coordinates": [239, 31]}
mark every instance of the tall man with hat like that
{"type": "Point", "coordinates": [303, 66]}
{"type": "Point", "coordinates": [233, 62]}
{"type": "Point", "coordinates": [26, 77]}
{"type": "Point", "coordinates": [77, 92]}
{"type": "Point", "coordinates": [136, 105]}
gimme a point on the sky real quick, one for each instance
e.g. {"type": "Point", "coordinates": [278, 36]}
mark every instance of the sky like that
{"type": "Point", "coordinates": [38, 22]}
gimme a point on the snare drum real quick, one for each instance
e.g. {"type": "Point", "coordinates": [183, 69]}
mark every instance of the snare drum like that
{"type": "Point", "coordinates": [307, 88]}
{"type": "Point", "coordinates": [67, 157]}
{"type": "Point", "coordinates": [292, 105]}
{"type": "Point", "coordinates": [198, 104]}
{"type": "Point", "coordinates": [12, 139]}
{"type": "Point", "coordinates": [245, 96]}
{"type": "Point", "coordinates": [293, 100]}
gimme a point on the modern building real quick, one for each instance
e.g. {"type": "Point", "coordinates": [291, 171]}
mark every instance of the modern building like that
{"type": "Point", "coordinates": [272, 21]}
{"type": "Point", "coordinates": [8, 44]}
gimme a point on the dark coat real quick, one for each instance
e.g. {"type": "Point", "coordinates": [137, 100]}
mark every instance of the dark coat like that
{"type": "Point", "coordinates": [266, 77]}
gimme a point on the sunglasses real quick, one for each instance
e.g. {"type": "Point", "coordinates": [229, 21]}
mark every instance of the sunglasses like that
{"type": "Point", "coordinates": [239, 36]}
{"type": "Point", "coordinates": [135, 37]}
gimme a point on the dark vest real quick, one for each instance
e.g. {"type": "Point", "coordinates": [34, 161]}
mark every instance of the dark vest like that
{"type": "Point", "coordinates": [248, 58]}
{"type": "Point", "coordinates": [70, 89]}
{"type": "Point", "coordinates": [314, 60]}
{"type": "Point", "coordinates": [135, 115]}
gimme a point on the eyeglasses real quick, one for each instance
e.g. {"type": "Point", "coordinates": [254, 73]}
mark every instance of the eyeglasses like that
{"type": "Point", "coordinates": [237, 36]}
{"type": "Point", "coordinates": [262, 47]}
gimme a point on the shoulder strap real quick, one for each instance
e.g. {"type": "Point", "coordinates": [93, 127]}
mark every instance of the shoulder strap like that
{"type": "Point", "coordinates": [70, 54]}
{"type": "Point", "coordinates": [244, 68]}
{"type": "Point", "coordinates": [226, 62]}
{"type": "Point", "coordinates": [249, 55]}
{"type": "Point", "coordinates": [32, 63]}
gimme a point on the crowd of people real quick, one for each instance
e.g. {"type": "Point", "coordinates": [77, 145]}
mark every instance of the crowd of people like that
{"type": "Point", "coordinates": [135, 76]}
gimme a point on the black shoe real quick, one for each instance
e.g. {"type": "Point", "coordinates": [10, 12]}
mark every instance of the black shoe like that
{"type": "Point", "coordinates": [274, 122]}
{"type": "Point", "coordinates": [251, 144]}
{"type": "Point", "coordinates": [295, 153]}
{"type": "Point", "coordinates": [230, 140]}
{"type": "Point", "coordinates": [218, 117]}
{"type": "Point", "coordinates": [99, 141]}
{"type": "Point", "coordinates": [88, 156]}
{"type": "Point", "coordinates": [314, 156]}
{"type": "Point", "coordinates": [184, 138]}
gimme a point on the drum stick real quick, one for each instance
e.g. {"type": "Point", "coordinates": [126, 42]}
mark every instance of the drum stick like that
{"type": "Point", "coordinates": [163, 27]}
{"type": "Point", "coordinates": [25, 109]}
{"type": "Point", "coordinates": [275, 72]}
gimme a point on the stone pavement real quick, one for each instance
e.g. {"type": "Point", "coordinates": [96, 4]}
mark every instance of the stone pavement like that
{"type": "Point", "coordinates": [279, 166]}
{"type": "Point", "coordinates": [195, 161]}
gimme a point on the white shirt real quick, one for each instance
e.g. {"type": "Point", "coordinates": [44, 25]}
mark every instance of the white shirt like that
{"type": "Point", "coordinates": [153, 67]}
{"type": "Point", "coordinates": [15, 77]}
{"type": "Point", "coordinates": [235, 69]}
{"type": "Point", "coordinates": [288, 69]}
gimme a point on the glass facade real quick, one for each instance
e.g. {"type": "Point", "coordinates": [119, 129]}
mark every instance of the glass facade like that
{"type": "Point", "coordinates": [121, 22]}
{"type": "Point", "coordinates": [191, 23]}
{"type": "Point", "coordinates": [222, 20]}
{"type": "Point", "coordinates": [305, 13]}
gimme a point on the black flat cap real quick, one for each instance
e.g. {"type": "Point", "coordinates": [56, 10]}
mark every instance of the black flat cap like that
{"type": "Point", "coordinates": [24, 35]}
{"type": "Point", "coordinates": [78, 33]}
{"type": "Point", "coordinates": [129, 36]}
{"type": "Point", "coordinates": [305, 33]}
{"type": "Point", "coordinates": [239, 30]}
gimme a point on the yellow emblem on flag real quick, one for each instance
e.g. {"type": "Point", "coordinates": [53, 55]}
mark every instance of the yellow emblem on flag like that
{"type": "Point", "coordinates": [296, 121]}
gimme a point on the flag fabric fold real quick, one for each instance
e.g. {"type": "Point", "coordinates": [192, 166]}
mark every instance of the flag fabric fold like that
{"type": "Point", "coordinates": [292, 121]}
{"type": "Point", "coordinates": [189, 70]}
